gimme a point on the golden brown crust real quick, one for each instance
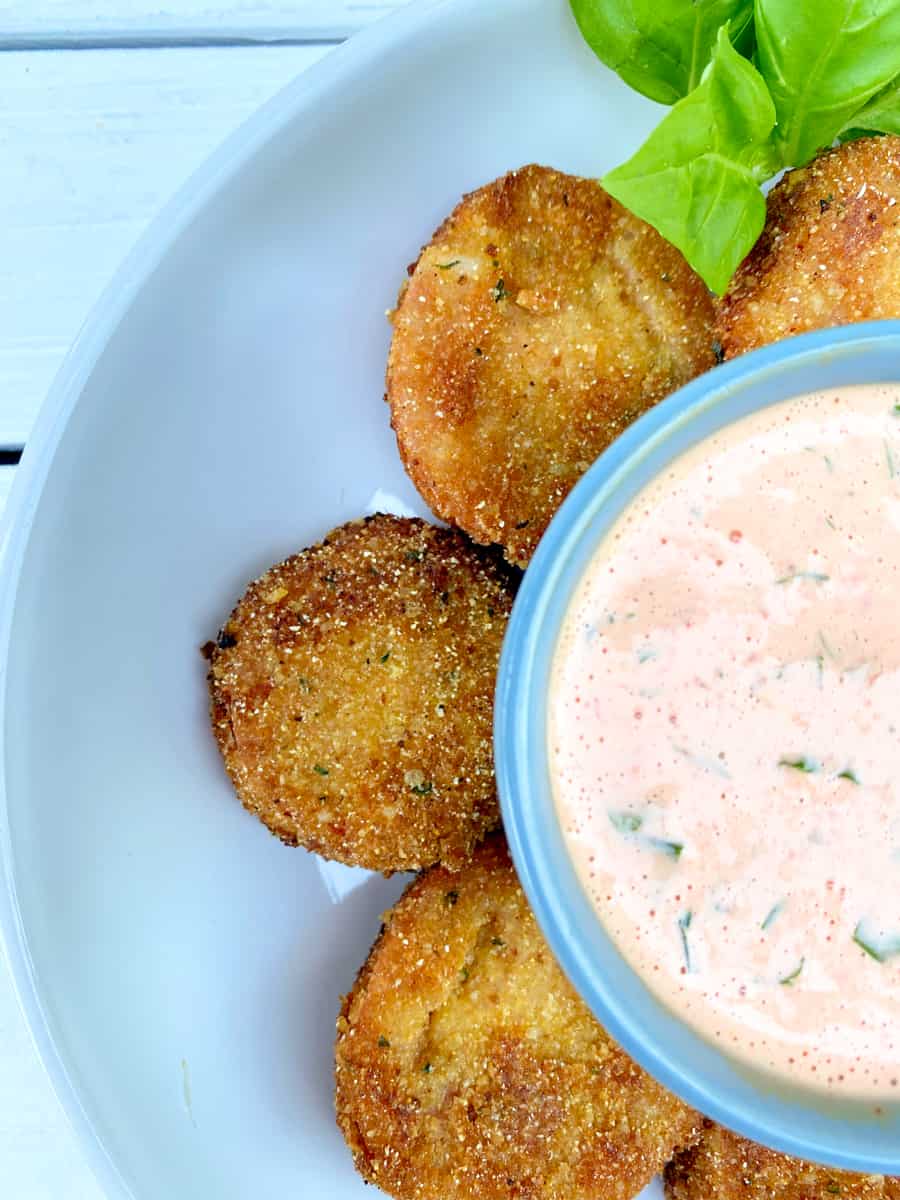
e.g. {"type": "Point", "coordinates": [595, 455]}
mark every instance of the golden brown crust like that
{"type": "Point", "coordinates": [723, 1166]}
{"type": "Point", "coordinates": [540, 320]}
{"type": "Point", "coordinates": [467, 1067]}
{"type": "Point", "coordinates": [352, 694]}
{"type": "Point", "coordinates": [829, 253]}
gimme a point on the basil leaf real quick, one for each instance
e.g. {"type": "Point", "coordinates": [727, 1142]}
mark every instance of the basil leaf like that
{"type": "Point", "coordinates": [823, 63]}
{"type": "Point", "coordinates": [880, 115]}
{"type": "Point", "coordinates": [661, 47]}
{"type": "Point", "coordinates": [696, 178]}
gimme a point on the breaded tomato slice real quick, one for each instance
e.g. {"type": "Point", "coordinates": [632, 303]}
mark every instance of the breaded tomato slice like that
{"type": "Point", "coordinates": [723, 1166]}
{"type": "Point", "coordinates": [467, 1068]}
{"type": "Point", "coordinates": [539, 321]}
{"type": "Point", "coordinates": [352, 694]}
{"type": "Point", "coordinates": [829, 254]}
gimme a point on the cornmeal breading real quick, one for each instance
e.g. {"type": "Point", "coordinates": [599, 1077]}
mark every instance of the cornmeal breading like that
{"type": "Point", "coordinates": [829, 254]}
{"type": "Point", "coordinates": [723, 1166]}
{"type": "Point", "coordinates": [469, 1069]}
{"type": "Point", "coordinates": [352, 694]}
{"type": "Point", "coordinates": [541, 319]}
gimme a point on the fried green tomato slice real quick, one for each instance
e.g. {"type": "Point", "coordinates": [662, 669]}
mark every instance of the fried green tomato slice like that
{"type": "Point", "coordinates": [352, 694]}
{"type": "Point", "coordinates": [829, 254]}
{"type": "Point", "coordinates": [467, 1068]}
{"type": "Point", "coordinates": [723, 1166]}
{"type": "Point", "coordinates": [540, 320]}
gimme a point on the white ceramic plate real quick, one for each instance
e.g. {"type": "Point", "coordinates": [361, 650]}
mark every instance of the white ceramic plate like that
{"type": "Point", "coordinates": [179, 967]}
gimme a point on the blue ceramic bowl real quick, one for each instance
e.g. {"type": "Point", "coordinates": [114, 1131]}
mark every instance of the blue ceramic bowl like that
{"type": "Point", "coordinates": [851, 1134]}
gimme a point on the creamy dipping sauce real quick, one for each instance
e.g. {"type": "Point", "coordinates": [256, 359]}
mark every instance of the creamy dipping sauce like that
{"type": "Point", "coordinates": [724, 738]}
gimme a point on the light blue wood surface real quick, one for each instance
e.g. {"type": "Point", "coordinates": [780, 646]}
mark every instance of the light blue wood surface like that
{"type": "Point", "coordinates": [92, 144]}
{"type": "Point", "coordinates": [43, 22]}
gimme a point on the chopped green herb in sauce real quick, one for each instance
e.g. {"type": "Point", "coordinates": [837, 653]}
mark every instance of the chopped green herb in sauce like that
{"type": "Point", "coordinates": [684, 924]}
{"type": "Point", "coordinates": [829, 653]}
{"type": "Point", "coordinates": [499, 292]}
{"type": "Point", "coordinates": [670, 849]}
{"type": "Point", "coordinates": [626, 822]}
{"type": "Point", "coordinates": [320, 770]}
{"type": "Point", "coordinates": [714, 766]}
{"type": "Point", "coordinates": [812, 576]}
{"type": "Point", "coordinates": [808, 766]}
{"type": "Point", "coordinates": [454, 262]}
{"type": "Point", "coordinates": [849, 774]}
{"type": "Point", "coordinates": [385, 656]}
{"type": "Point", "coordinates": [789, 980]}
{"type": "Point", "coordinates": [879, 948]}
{"type": "Point", "coordinates": [773, 914]}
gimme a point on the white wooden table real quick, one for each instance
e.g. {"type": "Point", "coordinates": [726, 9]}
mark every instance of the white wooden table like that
{"type": "Point", "coordinates": [106, 107]}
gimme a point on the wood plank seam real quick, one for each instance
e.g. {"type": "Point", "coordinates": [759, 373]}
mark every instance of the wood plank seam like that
{"type": "Point", "coordinates": [184, 39]}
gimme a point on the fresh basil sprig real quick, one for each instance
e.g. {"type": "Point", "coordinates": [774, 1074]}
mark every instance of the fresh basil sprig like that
{"type": "Point", "coordinates": [750, 97]}
{"type": "Point", "coordinates": [660, 49]}
{"type": "Point", "coordinates": [822, 64]}
{"type": "Point", "coordinates": [880, 115]}
{"type": "Point", "coordinates": [696, 178]}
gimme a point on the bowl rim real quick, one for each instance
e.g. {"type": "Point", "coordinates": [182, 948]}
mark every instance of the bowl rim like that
{"type": "Point", "coordinates": [846, 1134]}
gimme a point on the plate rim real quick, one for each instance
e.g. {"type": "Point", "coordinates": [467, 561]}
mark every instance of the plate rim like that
{"type": "Point", "coordinates": [298, 98]}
